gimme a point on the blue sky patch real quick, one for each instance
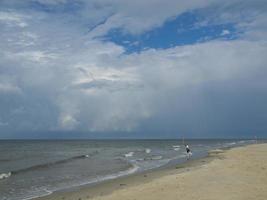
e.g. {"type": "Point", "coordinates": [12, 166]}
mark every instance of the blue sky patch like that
{"type": "Point", "coordinates": [187, 28]}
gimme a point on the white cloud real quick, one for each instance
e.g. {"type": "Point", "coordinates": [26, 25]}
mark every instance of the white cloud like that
{"type": "Point", "coordinates": [158, 73]}
{"type": "Point", "coordinates": [76, 82]}
{"type": "Point", "coordinates": [225, 32]}
{"type": "Point", "coordinates": [34, 56]}
{"type": "Point", "coordinates": [67, 122]}
{"type": "Point", "coordinates": [136, 17]}
{"type": "Point", "coordinates": [13, 19]}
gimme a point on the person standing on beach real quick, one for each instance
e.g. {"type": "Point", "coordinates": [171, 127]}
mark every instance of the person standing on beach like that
{"type": "Point", "coordinates": [188, 151]}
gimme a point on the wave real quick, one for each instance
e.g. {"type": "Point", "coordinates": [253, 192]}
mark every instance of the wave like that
{"type": "Point", "coordinates": [50, 164]}
{"type": "Point", "coordinates": [231, 143]}
{"type": "Point", "coordinates": [5, 175]}
{"type": "Point", "coordinates": [147, 150]}
{"type": "Point", "coordinates": [176, 147]}
{"type": "Point", "coordinates": [134, 168]}
{"type": "Point", "coordinates": [45, 192]}
{"type": "Point", "coordinates": [130, 154]}
{"type": "Point", "coordinates": [154, 158]}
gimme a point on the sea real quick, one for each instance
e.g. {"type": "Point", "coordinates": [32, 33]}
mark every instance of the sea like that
{"type": "Point", "coordinates": [34, 168]}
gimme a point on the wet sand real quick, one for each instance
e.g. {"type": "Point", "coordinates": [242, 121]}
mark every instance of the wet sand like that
{"type": "Point", "coordinates": [236, 174]}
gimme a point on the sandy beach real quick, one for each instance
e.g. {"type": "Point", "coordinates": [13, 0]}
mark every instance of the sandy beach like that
{"type": "Point", "coordinates": [236, 174]}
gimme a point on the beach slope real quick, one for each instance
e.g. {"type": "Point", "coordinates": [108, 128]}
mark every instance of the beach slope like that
{"type": "Point", "coordinates": [235, 174]}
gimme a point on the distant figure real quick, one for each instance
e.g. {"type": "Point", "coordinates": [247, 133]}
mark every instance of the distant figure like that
{"type": "Point", "coordinates": [188, 151]}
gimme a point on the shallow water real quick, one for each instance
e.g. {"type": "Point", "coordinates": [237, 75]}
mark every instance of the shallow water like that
{"type": "Point", "coordinates": [35, 168]}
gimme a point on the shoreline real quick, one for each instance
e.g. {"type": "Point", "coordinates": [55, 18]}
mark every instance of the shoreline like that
{"type": "Point", "coordinates": [105, 187]}
{"type": "Point", "coordinates": [238, 173]}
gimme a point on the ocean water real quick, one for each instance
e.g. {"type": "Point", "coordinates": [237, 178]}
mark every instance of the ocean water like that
{"type": "Point", "coordinates": [30, 169]}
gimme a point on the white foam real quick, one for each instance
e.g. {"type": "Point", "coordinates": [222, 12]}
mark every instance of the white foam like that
{"type": "Point", "coordinates": [119, 174]}
{"type": "Point", "coordinates": [231, 143]}
{"type": "Point", "coordinates": [148, 150]}
{"type": "Point", "coordinates": [5, 175]}
{"type": "Point", "coordinates": [176, 147]}
{"type": "Point", "coordinates": [131, 170]}
{"type": "Point", "coordinates": [130, 154]}
{"type": "Point", "coordinates": [47, 192]}
{"type": "Point", "coordinates": [156, 158]}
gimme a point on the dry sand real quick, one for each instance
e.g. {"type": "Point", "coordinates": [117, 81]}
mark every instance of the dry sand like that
{"type": "Point", "coordinates": [236, 174]}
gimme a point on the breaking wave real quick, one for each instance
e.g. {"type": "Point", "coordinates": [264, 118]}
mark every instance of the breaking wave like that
{"type": "Point", "coordinates": [130, 154]}
{"type": "Point", "coordinates": [148, 150]}
{"type": "Point", "coordinates": [5, 175]}
{"type": "Point", "coordinates": [50, 164]}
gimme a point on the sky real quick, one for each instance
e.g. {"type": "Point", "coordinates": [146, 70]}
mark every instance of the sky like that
{"type": "Point", "coordinates": [133, 69]}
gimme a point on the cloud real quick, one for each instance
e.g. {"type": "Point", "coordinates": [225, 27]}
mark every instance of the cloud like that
{"type": "Point", "coordinates": [133, 17]}
{"type": "Point", "coordinates": [51, 2]}
{"type": "Point", "coordinates": [68, 79]}
{"type": "Point", "coordinates": [8, 88]}
{"type": "Point", "coordinates": [244, 14]}
{"type": "Point", "coordinates": [3, 123]}
{"type": "Point", "coordinates": [136, 17]}
{"type": "Point", "coordinates": [225, 32]}
{"type": "Point", "coordinates": [13, 19]}
{"type": "Point", "coordinates": [32, 56]}
{"type": "Point", "coordinates": [91, 100]}
{"type": "Point", "coordinates": [67, 122]}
